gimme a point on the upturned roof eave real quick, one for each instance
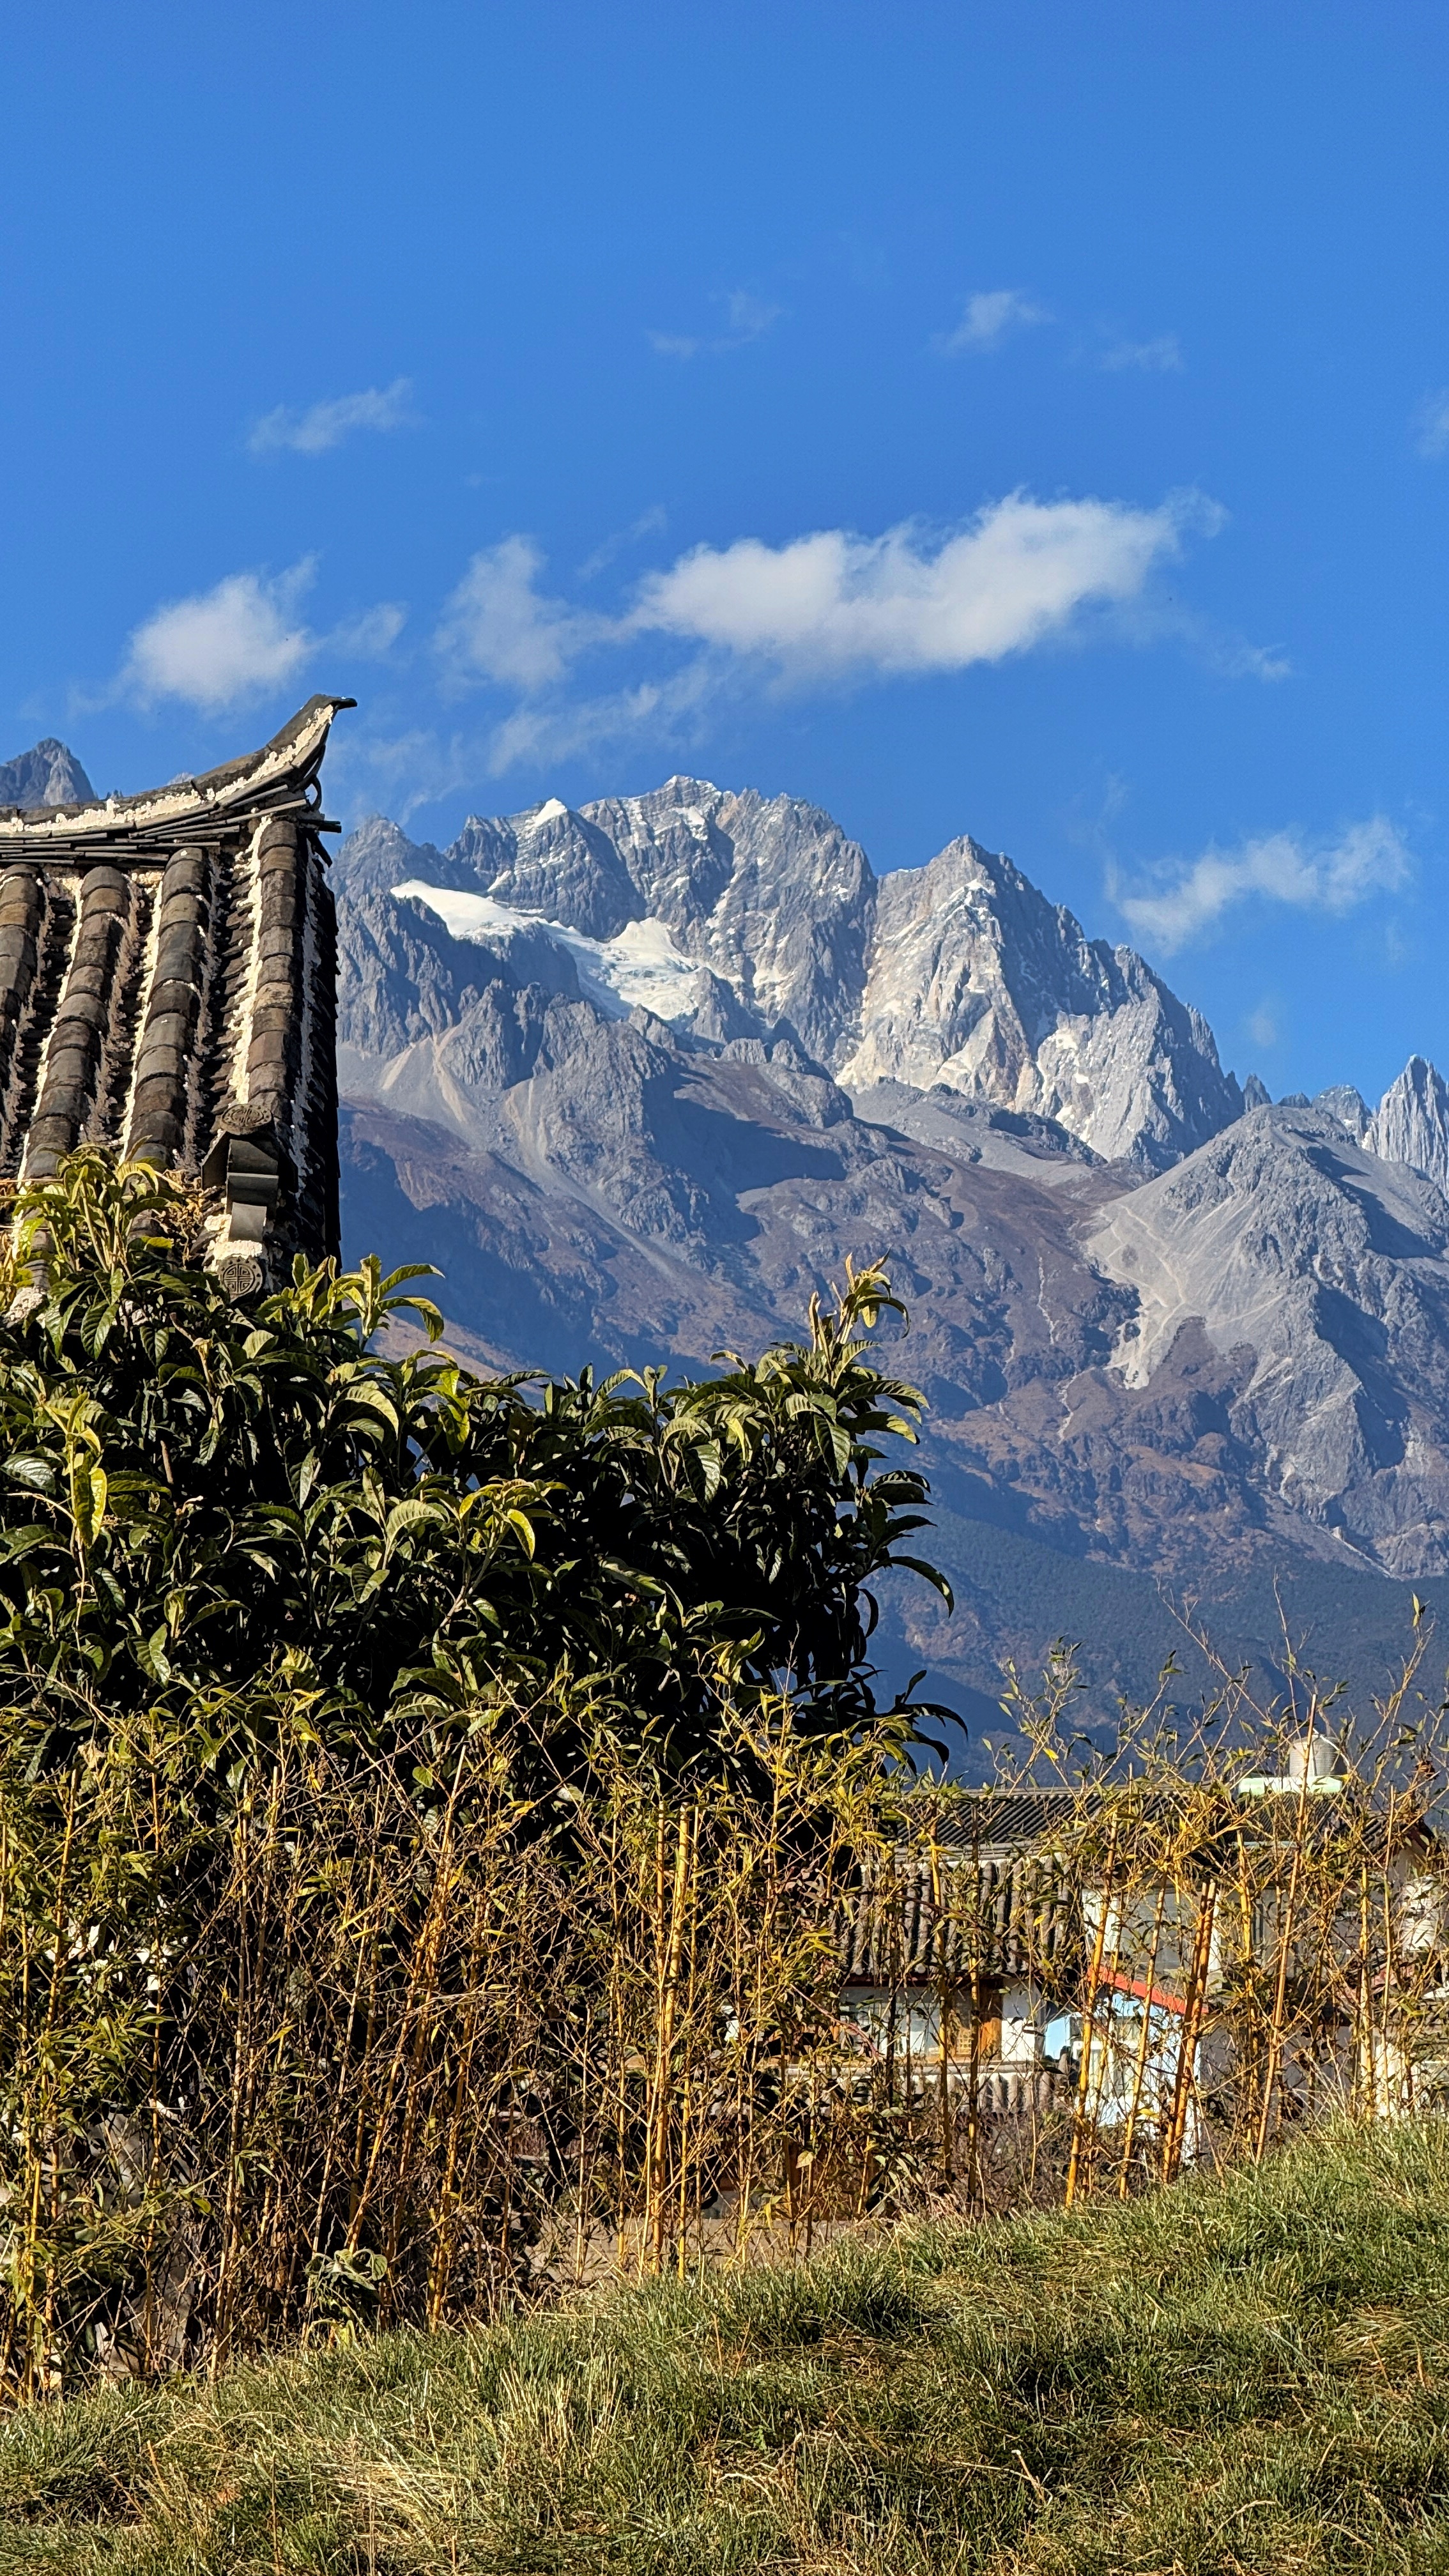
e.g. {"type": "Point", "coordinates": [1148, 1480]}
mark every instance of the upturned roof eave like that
{"type": "Point", "coordinates": [284, 770]}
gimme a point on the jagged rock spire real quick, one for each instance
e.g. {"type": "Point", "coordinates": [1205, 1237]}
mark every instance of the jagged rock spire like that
{"type": "Point", "coordinates": [50, 774]}
{"type": "Point", "coordinates": [1411, 1123]}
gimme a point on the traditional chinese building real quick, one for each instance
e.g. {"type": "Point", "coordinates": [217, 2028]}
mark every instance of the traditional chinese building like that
{"type": "Point", "coordinates": [168, 990]}
{"type": "Point", "coordinates": [1160, 1954]}
{"type": "Point", "coordinates": [962, 1953]}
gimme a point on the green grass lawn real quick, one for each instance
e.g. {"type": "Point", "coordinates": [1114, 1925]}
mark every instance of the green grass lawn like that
{"type": "Point", "coordinates": [1238, 2375]}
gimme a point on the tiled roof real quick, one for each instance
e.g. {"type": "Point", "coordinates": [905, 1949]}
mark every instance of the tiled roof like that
{"type": "Point", "coordinates": [1011, 1818]}
{"type": "Point", "coordinates": [1010, 1916]}
{"type": "Point", "coordinates": [168, 989]}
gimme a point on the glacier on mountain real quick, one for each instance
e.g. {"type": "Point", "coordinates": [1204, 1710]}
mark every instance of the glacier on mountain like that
{"type": "Point", "coordinates": [638, 969]}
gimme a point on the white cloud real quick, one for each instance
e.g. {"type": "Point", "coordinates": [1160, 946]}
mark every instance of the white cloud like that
{"type": "Point", "coordinates": [224, 644]}
{"type": "Point", "coordinates": [1159, 619]}
{"type": "Point", "coordinates": [648, 524]}
{"type": "Point", "coordinates": [833, 608]}
{"type": "Point", "coordinates": [370, 772]}
{"type": "Point", "coordinates": [748, 318]}
{"type": "Point", "coordinates": [396, 774]}
{"type": "Point", "coordinates": [988, 318]}
{"type": "Point", "coordinates": [326, 424]}
{"type": "Point", "coordinates": [558, 732]}
{"type": "Point", "coordinates": [496, 626]}
{"type": "Point", "coordinates": [834, 603]}
{"type": "Point", "coordinates": [1368, 858]}
{"type": "Point", "coordinates": [1162, 356]}
{"type": "Point", "coordinates": [372, 635]}
{"type": "Point", "coordinates": [534, 733]}
{"type": "Point", "coordinates": [1236, 658]}
{"type": "Point", "coordinates": [1431, 424]}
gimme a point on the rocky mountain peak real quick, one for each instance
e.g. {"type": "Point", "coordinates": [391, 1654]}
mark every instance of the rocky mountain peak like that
{"type": "Point", "coordinates": [958, 973]}
{"type": "Point", "coordinates": [767, 892]}
{"type": "Point", "coordinates": [1411, 1122]}
{"type": "Point", "coordinates": [49, 774]}
{"type": "Point", "coordinates": [379, 855]}
{"type": "Point", "coordinates": [1348, 1106]}
{"type": "Point", "coordinates": [1322, 1272]}
{"type": "Point", "coordinates": [554, 862]}
{"type": "Point", "coordinates": [976, 981]}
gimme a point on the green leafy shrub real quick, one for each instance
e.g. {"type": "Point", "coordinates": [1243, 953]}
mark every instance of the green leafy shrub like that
{"type": "Point", "coordinates": [194, 1490]}
{"type": "Point", "coordinates": [422, 1799]}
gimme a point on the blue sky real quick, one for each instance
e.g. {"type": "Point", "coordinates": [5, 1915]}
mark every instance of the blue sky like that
{"type": "Point", "coordinates": [1024, 419]}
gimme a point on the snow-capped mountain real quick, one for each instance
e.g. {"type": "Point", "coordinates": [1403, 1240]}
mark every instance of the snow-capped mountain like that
{"type": "Point", "coordinates": [744, 916]}
{"type": "Point", "coordinates": [638, 1077]}
{"type": "Point", "coordinates": [766, 899]}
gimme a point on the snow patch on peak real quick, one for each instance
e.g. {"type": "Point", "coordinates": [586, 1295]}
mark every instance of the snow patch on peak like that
{"type": "Point", "coordinates": [550, 811]}
{"type": "Point", "coordinates": [640, 968]}
{"type": "Point", "coordinates": [645, 969]}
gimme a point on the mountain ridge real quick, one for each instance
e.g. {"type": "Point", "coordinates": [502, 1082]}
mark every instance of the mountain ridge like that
{"type": "Point", "coordinates": [1171, 1334]}
{"type": "Point", "coordinates": [959, 972]}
